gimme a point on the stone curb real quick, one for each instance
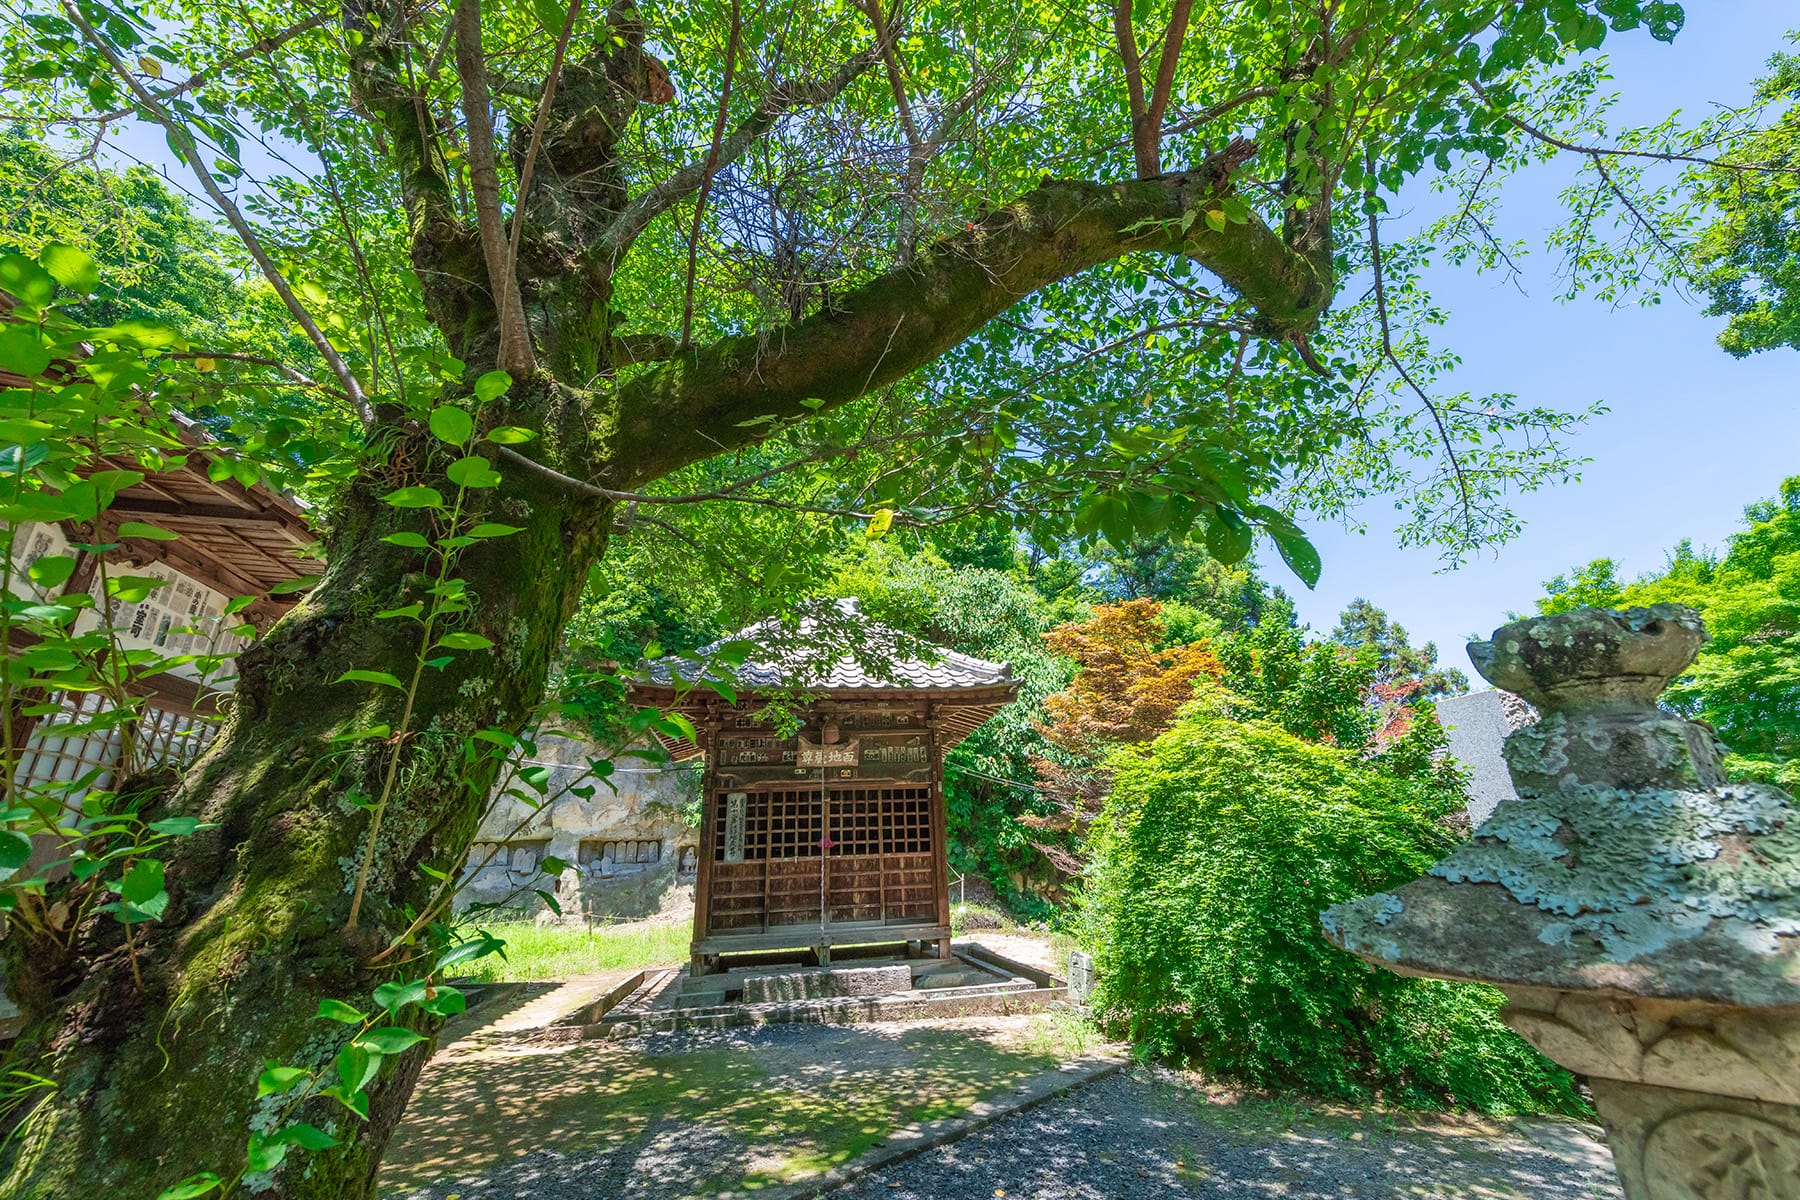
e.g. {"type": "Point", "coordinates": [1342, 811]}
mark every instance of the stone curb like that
{"type": "Point", "coordinates": [930, 1135]}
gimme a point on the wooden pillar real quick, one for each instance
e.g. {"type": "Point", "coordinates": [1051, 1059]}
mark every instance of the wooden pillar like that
{"type": "Point", "coordinates": [940, 834]}
{"type": "Point", "coordinates": [709, 749]}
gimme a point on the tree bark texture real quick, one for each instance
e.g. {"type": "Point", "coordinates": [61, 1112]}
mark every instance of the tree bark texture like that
{"type": "Point", "coordinates": [157, 1084]}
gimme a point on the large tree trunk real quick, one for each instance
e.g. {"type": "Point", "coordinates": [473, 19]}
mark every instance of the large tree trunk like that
{"type": "Point", "coordinates": [157, 1083]}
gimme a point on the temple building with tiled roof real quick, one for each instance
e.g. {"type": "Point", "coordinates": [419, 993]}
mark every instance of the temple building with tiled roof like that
{"type": "Point", "coordinates": [823, 821]}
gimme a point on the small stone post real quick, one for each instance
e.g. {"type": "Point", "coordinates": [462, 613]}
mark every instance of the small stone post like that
{"type": "Point", "coordinates": [1641, 915]}
{"type": "Point", "coordinates": [1081, 976]}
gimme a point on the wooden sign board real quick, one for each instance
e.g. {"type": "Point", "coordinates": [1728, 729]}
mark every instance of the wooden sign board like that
{"type": "Point", "coordinates": [841, 754]}
{"type": "Point", "coordinates": [881, 745]}
{"type": "Point", "coordinates": [734, 827]}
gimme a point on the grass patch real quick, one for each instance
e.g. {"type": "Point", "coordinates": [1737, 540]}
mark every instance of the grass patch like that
{"type": "Point", "coordinates": [778, 1112]}
{"type": "Point", "coordinates": [1062, 1034]}
{"type": "Point", "coordinates": [559, 951]}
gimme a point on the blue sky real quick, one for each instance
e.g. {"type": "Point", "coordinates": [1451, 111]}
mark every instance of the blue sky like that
{"type": "Point", "coordinates": [1693, 435]}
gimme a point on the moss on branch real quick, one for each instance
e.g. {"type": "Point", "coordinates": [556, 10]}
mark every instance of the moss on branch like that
{"type": "Point", "coordinates": [723, 395]}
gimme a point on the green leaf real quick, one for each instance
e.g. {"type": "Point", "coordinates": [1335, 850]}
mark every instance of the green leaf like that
{"type": "Point", "coordinates": [476, 947]}
{"type": "Point", "coordinates": [305, 1136]}
{"type": "Point", "coordinates": [510, 435]}
{"type": "Point", "coordinates": [337, 1010]}
{"type": "Point", "coordinates": [493, 385]}
{"type": "Point", "coordinates": [263, 1154]}
{"type": "Point", "coordinates": [407, 538]}
{"type": "Point", "coordinates": [388, 1039]}
{"type": "Point", "coordinates": [396, 995]}
{"type": "Point", "coordinates": [491, 529]}
{"type": "Point", "coordinates": [354, 1099]}
{"type": "Point", "coordinates": [451, 425]}
{"type": "Point", "coordinates": [410, 610]}
{"type": "Point", "coordinates": [52, 570]}
{"type": "Point", "coordinates": [15, 851]}
{"type": "Point", "coordinates": [381, 677]}
{"type": "Point", "coordinates": [26, 280]}
{"type": "Point", "coordinates": [23, 353]}
{"type": "Point", "coordinates": [1298, 553]}
{"type": "Point", "coordinates": [683, 726]}
{"type": "Point", "coordinates": [275, 1079]}
{"type": "Point", "coordinates": [137, 529]}
{"type": "Point", "coordinates": [551, 15]}
{"type": "Point", "coordinates": [1115, 521]}
{"type": "Point", "coordinates": [175, 826]}
{"type": "Point", "coordinates": [71, 267]}
{"type": "Point", "coordinates": [304, 583]}
{"type": "Point", "coordinates": [552, 865]}
{"type": "Point", "coordinates": [1228, 536]}
{"type": "Point", "coordinates": [108, 484]}
{"type": "Point", "coordinates": [473, 472]}
{"type": "Point", "coordinates": [356, 1065]}
{"type": "Point", "coordinates": [194, 1185]}
{"type": "Point", "coordinates": [464, 641]}
{"type": "Point", "coordinates": [130, 589]}
{"type": "Point", "coordinates": [143, 883]}
{"type": "Point", "coordinates": [416, 496]}
{"type": "Point", "coordinates": [445, 1002]}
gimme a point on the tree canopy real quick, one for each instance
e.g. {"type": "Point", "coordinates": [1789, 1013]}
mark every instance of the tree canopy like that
{"type": "Point", "coordinates": [1747, 260]}
{"type": "Point", "coordinates": [1174, 360]}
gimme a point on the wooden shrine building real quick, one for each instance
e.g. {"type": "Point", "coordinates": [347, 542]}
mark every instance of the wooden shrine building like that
{"type": "Point", "coordinates": [835, 835]}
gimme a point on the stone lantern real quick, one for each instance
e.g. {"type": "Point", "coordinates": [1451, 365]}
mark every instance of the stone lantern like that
{"type": "Point", "coordinates": [1641, 914]}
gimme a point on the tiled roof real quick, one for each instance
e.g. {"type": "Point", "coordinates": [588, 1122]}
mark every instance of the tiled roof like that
{"type": "Point", "coordinates": [800, 655]}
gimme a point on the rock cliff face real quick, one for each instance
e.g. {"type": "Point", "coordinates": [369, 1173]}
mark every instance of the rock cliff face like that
{"type": "Point", "coordinates": [626, 850]}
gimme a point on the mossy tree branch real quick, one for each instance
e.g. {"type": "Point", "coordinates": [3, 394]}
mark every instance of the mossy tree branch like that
{"type": "Point", "coordinates": [734, 391]}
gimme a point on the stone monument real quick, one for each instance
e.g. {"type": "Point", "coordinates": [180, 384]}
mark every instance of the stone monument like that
{"type": "Point", "coordinates": [1641, 914]}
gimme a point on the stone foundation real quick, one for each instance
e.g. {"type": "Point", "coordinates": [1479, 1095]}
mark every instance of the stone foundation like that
{"type": "Point", "coordinates": [832, 981]}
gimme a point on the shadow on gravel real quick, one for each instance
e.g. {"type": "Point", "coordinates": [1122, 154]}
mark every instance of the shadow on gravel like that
{"type": "Point", "coordinates": [1150, 1135]}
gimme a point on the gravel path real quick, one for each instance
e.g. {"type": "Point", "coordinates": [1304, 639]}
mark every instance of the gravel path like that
{"type": "Point", "coordinates": [1151, 1135]}
{"type": "Point", "coordinates": [694, 1115]}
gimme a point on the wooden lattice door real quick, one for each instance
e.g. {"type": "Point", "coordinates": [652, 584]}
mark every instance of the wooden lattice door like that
{"type": "Point", "coordinates": [882, 868]}
{"type": "Point", "coordinates": [859, 856]}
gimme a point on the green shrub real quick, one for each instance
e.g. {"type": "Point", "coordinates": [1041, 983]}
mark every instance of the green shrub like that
{"type": "Point", "coordinates": [1219, 846]}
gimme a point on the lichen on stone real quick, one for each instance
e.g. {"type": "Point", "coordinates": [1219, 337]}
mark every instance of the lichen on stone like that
{"type": "Point", "coordinates": [1622, 831]}
{"type": "Point", "coordinates": [1636, 870]}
